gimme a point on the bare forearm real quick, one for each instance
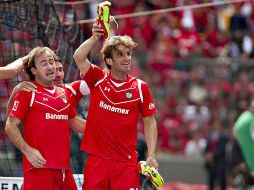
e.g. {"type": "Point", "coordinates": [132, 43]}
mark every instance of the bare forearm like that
{"type": "Point", "coordinates": [78, 124]}
{"type": "Point", "coordinates": [33, 155]}
{"type": "Point", "coordinates": [7, 72]}
{"type": "Point", "coordinates": [12, 69]}
{"type": "Point", "coordinates": [80, 55]}
{"type": "Point", "coordinates": [15, 135]}
{"type": "Point", "coordinates": [151, 136]}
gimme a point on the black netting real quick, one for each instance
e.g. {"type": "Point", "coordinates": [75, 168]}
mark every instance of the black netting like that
{"type": "Point", "coordinates": [24, 25]}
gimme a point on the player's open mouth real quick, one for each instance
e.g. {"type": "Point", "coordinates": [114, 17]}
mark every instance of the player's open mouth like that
{"type": "Point", "coordinates": [126, 64]}
{"type": "Point", "coordinates": [49, 74]}
{"type": "Point", "coordinates": [57, 81]}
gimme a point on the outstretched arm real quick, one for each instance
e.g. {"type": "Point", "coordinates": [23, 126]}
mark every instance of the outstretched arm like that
{"type": "Point", "coordinates": [151, 139]}
{"type": "Point", "coordinates": [33, 155]}
{"type": "Point", "coordinates": [13, 68]}
{"type": "Point", "coordinates": [80, 55]}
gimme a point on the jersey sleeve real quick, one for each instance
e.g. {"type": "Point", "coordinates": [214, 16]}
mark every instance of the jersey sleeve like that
{"type": "Point", "coordinates": [147, 106]}
{"type": "Point", "coordinates": [93, 75]}
{"type": "Point", "coordinates": [76, 90]}
{"type": "Point", "coordinates": [72, 112]}
{"type": "Point", "coordinates": [21, 105]}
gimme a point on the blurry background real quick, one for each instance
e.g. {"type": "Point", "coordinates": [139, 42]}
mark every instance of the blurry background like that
{"type": "Point", "coordinates": [198, 62]}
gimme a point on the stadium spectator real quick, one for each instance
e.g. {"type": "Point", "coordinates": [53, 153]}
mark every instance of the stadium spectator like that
{"type": "Point", "coordinates": [196, 145]}
{"type": "Point", "coordinates": [215, 157]}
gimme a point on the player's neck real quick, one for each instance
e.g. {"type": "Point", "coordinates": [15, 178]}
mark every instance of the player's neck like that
{"type": "Point", "coordinates": [119, 76]}
{"type": "Point", "coordinates": [45, 84]}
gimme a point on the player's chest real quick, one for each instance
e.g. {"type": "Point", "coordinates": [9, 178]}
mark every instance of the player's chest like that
{"type": "Point", "coordinates": [45, 101]}
{"type": "Point", "coordinates": [118, 94]}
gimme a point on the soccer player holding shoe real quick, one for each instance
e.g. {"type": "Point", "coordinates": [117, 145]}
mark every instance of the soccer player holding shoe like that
{"type": "Point", "coordinates": [46, 116]}
{"type": "Point", "coordinates": [116, 100]}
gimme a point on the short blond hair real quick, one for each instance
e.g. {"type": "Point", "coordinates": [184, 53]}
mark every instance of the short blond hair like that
{"type": "Point", "coordinates": [112, 44]}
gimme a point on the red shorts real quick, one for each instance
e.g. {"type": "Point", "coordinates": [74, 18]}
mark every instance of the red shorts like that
{"type": "Point", "coordinates": [54, 179]}
{"type": "Point", "coordinates": [101, 174]}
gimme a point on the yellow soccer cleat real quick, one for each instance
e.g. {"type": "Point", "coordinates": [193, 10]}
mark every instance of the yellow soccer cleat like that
{"type": "Point", "coordinates": [104, 17]}
{"type": "Point", "coordinates": [151, 173]}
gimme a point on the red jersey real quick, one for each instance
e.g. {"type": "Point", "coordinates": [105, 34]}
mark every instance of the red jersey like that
{"type": "Point", "coordinates": [114, 108]}
{"type": "Point", "coordinates": [45, 116]}
{"type": "Point", "coordinates": [76, 90]}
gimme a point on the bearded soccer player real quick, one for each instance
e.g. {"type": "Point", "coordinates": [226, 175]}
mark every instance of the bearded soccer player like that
{"type": "Point", "coordinates": [46, 116]}
{"type": "Point", "coordinates": [116, 100]}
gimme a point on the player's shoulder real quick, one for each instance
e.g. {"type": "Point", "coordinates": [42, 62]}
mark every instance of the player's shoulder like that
{"type": "Point", "coordinates": [141, 82]}
{"type": "Point", "coordinates": [24, 94]}
{"type": "Point", "coordinates": [60, 89]}
{"type": "Point", "coordinates": [246, 116]}
{"type": "Point", "coordinates": [135, 79]}
{"type": "Point", "coordinates": [72, 87]}
{"type": "Point", "coordinates": [79, 86]}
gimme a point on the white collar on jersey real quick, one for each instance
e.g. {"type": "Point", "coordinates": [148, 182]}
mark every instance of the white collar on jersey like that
{"type": "Point", "coordinates": [117, 84]}
{"type": "Point", "coordinates": [51, 91]}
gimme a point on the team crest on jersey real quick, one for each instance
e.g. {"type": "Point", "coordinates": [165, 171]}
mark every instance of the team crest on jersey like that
{"type": "Point", "coordinates": [128, 95]}
{"type": "Point", "coordinates": [64, 99]}
{"type": "Point", "coordinates": [15, 105]}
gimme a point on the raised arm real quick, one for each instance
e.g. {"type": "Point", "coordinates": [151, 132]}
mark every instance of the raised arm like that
{"type": "Point", "coordinates": [33, 155]}
{"type": "Point", "coordinates": [80, 55]}
{"type": "Point", "coordinates": [151, 139]}
{"type": "Point", "coordinates": [12, 69]}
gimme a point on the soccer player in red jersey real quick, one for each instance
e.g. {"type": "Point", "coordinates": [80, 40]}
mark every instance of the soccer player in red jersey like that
{"type": "Point", "coordinates": [46, 116]}
{"type": "Point", "coordinates": [116, 100]}
{"type": "Point", "coordinates": [75, 90]}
